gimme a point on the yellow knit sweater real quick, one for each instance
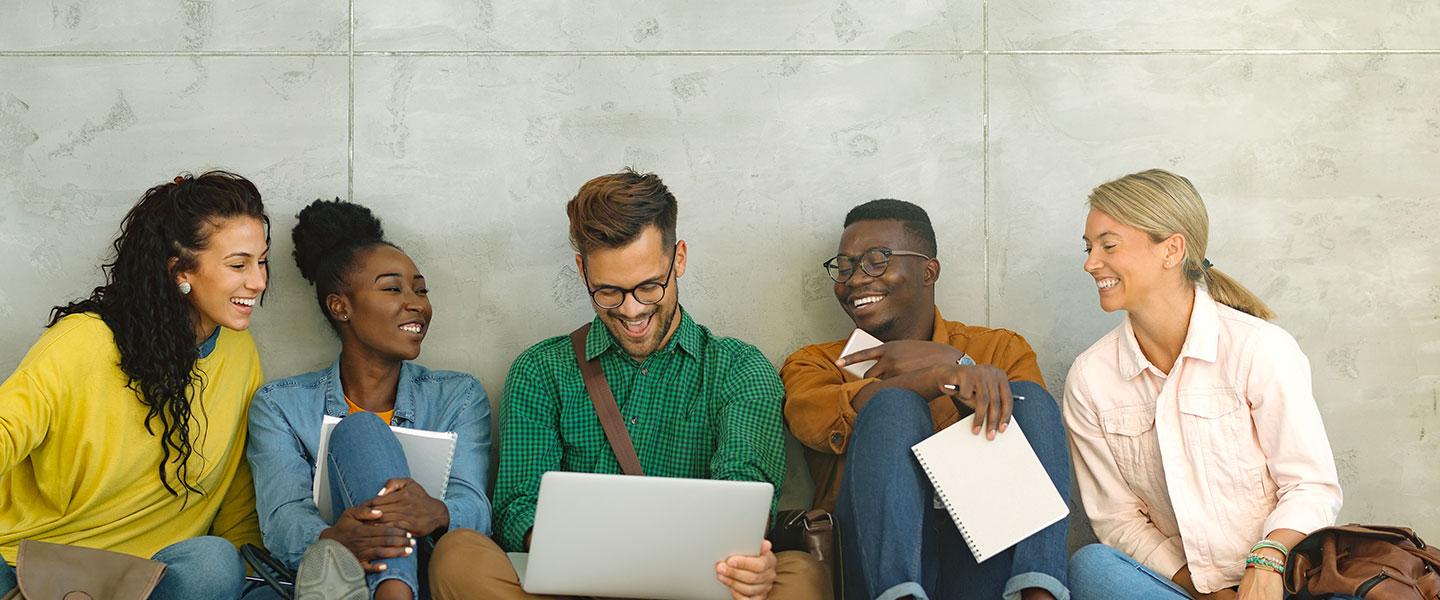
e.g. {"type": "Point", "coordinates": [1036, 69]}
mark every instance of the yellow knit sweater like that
{"type": "Point", "coordinates": [78, 467]}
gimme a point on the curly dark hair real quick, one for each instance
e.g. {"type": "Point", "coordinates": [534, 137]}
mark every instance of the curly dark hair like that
{"type": "Point", "coordinates": [328, 236]}
{"type": "Point", "coordinates": [153, 325]}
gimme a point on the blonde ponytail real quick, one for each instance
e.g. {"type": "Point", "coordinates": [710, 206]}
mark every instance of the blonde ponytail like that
{"type": "Point", "coordinates": [1162, 204]}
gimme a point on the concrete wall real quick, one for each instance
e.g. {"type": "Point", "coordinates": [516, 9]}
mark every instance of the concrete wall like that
{"type": "Point", "coordinates": [1312, 128]}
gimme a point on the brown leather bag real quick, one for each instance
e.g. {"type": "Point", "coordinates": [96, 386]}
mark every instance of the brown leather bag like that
{"type": "Point", "coordinates": [58, 572]}
{"type": "Point", "coordinates": [1375, 562]}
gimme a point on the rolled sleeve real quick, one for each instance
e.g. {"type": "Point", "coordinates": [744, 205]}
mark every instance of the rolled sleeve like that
{"type": "Point", "coordinates": [817, 400]}
{"type": "Point", "coordinates": [1114, 510]}
{"type": "Point", "coordinates": [465, 494]}
{"type": "Point", "coordinates": [1292, 435]}
{"type": "Point", "coordinates": [289, 520]}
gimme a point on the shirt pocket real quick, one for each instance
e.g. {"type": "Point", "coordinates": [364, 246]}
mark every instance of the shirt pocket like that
{"type": "Point", "coordinates": [1217, 429]}
{"type": "Point", "coordinates": [1130, 434]}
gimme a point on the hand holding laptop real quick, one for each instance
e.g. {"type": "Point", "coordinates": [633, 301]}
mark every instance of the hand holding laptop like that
{"type": "Point", "coordinates": [748, 576]}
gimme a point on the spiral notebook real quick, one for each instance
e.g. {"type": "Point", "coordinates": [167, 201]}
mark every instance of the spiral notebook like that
{"type": "Point", "coordinates": [428, 453]}
{"type": "Point", "coordinates": [996, 491]}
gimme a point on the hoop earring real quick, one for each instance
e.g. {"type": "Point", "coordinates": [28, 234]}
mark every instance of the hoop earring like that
{"type": "Point", "coordinates": [184, 288]}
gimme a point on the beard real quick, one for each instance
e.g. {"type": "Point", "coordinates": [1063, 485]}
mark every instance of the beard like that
{"type": "Point", "coordinates": [660, 322]}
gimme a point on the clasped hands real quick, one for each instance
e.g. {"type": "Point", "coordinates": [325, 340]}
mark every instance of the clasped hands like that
{"type": "Point", "coordinates": [387, 525]}
{"type": "Point", "coordinates": [931, 369]}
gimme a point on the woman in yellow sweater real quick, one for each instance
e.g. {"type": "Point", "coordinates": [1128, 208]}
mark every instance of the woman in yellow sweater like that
{"type": "Point", "coordinates": [123, 428]}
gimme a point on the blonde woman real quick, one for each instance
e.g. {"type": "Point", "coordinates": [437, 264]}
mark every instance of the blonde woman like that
{"type": "Point", "coordinates": [1198, 447]}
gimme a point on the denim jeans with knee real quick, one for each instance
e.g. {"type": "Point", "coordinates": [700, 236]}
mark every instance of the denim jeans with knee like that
{"type": "Point", "coordinates": [897, 544]}
{"type": "Point", "coordinates": [363, 455]}
{"type": "Point", "coordinates": [1099, 572]}
{"type": "Point", "coordinates": [202, 567]}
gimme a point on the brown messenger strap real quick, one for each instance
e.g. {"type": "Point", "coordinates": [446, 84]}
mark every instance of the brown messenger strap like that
{"type": "Point", "coordinates": [605, 406]}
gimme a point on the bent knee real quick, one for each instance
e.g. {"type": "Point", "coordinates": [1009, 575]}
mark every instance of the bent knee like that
{"type": "Point", "coordinates": [892, 403]}
{"type": "Point", "coordinates": [1094, 560]}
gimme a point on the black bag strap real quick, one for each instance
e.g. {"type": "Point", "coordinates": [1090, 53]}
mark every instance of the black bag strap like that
{"type": "Point", "coordinates": [270, 570]}
{"type": "Point", "coordinates": [605, 406]}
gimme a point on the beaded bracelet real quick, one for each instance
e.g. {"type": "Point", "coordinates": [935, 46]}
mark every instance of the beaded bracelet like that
{"type": "Point", "coordinates": [1259, 561]}
{"type": "Point", "coordinates": [1273, 545]}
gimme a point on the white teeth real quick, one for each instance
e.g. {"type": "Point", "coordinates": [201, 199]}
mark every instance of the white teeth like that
{"type": "Point", "coordinates": [244, 301]}
{"type": "Point", "coordinates": [1107, 283]}
{"type": "Point", "coordinates": [411, 327]}
{"type": "Point", "coordinates": [868, 300]}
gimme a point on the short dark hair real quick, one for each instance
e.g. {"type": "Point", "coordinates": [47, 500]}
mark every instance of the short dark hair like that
{"type": "Point", "coordinates": [610, 211]}
{"type": "Point", "coordinates": [914, 218]}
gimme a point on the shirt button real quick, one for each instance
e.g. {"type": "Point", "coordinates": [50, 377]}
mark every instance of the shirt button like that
{"type": "Point", "coordinates": [634, 420]}
{"type": "Point", "coordinates": [644, 371]}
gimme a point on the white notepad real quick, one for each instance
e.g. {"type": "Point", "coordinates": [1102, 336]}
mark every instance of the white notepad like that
{"type": "Point", "coordinates": [428, 453]}
{"type": "Point", "coordinates": [859, 340]}
{"type": "Point", "coordinates": [996, 490]}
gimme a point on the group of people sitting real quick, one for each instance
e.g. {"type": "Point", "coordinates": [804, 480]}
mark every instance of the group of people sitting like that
{"type": "Point", "coordinates": [140, 422]}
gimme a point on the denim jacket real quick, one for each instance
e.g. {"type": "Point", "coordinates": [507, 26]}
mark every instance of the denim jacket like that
{"type": "Point", "coordinates": [285, 421]}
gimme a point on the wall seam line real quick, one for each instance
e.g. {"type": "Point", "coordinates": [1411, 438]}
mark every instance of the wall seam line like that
{"type": "Point", "coordinates": [985, 150]}
{"type": "Point", "coordinates": [350, 110]}
{"type": "Point", "coordinates": [351, 53]}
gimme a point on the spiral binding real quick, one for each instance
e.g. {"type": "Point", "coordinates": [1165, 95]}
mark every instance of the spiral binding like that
{"type": "Point", "coordinates": [964, 534]}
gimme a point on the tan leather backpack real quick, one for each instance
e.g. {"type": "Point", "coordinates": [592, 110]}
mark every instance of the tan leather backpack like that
{"type": "Point", "coordinates": [1375, 562]}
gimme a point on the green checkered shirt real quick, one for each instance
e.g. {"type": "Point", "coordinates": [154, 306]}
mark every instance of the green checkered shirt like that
{"type": "Point", "coordinates": [703, 407]}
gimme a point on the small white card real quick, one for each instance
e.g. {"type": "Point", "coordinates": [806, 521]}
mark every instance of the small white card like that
{"type": "Point", "coordinates": [859, 340]}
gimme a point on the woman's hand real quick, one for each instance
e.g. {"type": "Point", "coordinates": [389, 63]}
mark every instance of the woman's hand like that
{"type": "Point", "coordinates": [360, 531]}
{"type": "Point", "coordinates": [1260, 584]}
{"type": "Point", "coordinates": [405, 504]}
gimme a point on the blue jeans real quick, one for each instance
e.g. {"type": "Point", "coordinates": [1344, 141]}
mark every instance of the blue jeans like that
{"type": "Point", "coordinates": [202, 567]}
{"type": "Point", "coordinates": [1099, 572]}
{"type": "Point", "coordinates": [363, 455]}
{"type": "Point", "coordinates": [897, 544]}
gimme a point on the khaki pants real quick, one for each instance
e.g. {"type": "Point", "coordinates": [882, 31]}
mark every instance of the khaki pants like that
{"type": "Point", "coordinates": [466, 564]}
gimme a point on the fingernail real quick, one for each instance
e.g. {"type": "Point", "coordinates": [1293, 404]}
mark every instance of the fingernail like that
{"type": "Point", "coordinates": [374, 511]}
{"type": "Point", "coordinates": [383, 567]}
{"type": "Point", "coordinates": [1004, 426]}
{"type": "Point", "coordinates": [408, 551]}
{"type": "Point", "coordinates": [412, 541]}
{"type": "Point", "coordinates": [382, 492]}
{"type": "Point", "coordinates": [407, 534]}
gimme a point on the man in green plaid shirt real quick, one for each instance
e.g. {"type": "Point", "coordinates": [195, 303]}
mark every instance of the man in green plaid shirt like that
{"type": "Point", "coordinates": [695, 404]}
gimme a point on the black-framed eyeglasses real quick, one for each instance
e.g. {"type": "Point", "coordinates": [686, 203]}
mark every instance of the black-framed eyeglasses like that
{"type": "Point", "coordinates": [650, 292]}
{"type": "Point", "coordinates": [873, 262]}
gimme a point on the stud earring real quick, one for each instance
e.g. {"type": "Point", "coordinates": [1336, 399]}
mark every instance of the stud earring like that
{"type": "Point", "coordinates": [184, 288]}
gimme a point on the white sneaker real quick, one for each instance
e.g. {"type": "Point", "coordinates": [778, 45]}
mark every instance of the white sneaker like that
{"type": "Point", "coordinates": [328, 571]}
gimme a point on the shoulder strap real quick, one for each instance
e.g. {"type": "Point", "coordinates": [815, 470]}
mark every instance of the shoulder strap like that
{"type": "Point", "coordinates": [605, 406]}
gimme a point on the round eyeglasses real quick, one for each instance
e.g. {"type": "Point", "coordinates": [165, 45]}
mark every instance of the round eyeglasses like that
{"type": "Point", "coordinates": [650, 292]}
{"type": "Point", "coordinates": [873, 262]}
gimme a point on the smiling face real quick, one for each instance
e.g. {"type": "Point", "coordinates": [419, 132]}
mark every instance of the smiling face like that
{"type": "Point", "coordinates": [641, 329]}
{"type": "Point", "coordinates": [892, 305]}
{"type": "Point", "coordinates": [1128, 267]}
{"type": "Point", "coordinates": [385, 306]}
{"type": "Point", "coordinates": [228, 275]}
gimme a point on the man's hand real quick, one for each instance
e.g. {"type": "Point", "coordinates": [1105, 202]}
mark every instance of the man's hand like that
{"type": "Point", "coordinates": [405, 504]}
{"type": "Point", "coordinates": [902, 356]}
{"type": "Point", "coordinates": [982, 388]}
{"type": "Point", "coordinates": [360, 531]}
{"type": "Point", "coordinates": [748, 577]}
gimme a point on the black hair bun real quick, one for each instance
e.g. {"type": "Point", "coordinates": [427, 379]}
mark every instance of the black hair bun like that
{"type": "Point", "coordinates": [326, 227]}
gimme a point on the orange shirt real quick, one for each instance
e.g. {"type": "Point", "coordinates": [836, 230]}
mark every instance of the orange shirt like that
{"type": "Point", "coordinates": [818, 394]}
{"type": "Point", "coordinates": [384, 416]}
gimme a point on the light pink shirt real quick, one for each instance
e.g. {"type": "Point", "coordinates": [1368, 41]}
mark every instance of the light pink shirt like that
{"type": "Point", "coordinates": [1195, 467]}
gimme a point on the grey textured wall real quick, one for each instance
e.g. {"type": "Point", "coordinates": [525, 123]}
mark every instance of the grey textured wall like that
{"type": "Point", "coordinates": [1312, 128]}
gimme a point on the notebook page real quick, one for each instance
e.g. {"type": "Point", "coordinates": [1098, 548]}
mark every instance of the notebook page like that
{"type": "Point", "coordinates": [996, 491]}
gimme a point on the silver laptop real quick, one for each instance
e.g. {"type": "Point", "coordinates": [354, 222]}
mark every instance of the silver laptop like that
{"type": "Point", "coordinates": [620, 536]}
